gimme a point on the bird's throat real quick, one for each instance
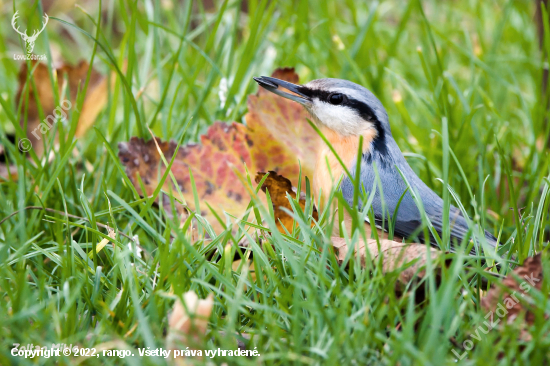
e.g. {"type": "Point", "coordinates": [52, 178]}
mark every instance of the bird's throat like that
{"type": "Point", "coordinates": [328, 169]}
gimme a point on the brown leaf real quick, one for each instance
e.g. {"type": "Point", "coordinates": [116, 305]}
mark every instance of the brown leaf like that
{"type": "Point", "coordinates": [511, 299]}
{"type": "Point", "coordinates": [395, 256]}
{"type": "Point", "coordinates": [275, 138]}
{"type": "Point", "coordinates": [223, 148]}
{"type": "Point", "coordinates": [187, 325]}
{"type": "Point", "coordinates": [40, 93]}
{"type": "Point", "coordinates": [278, 186]}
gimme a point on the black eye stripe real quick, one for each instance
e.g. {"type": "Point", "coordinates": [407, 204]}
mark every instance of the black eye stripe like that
{"type": "Point", "coordinates": [364, 110]}
{"type": "Point", "coordinates": [313, 93]}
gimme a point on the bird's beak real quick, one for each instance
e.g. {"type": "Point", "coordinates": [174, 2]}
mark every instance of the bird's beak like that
{"type": "Point", "coordinates": [275, 85]}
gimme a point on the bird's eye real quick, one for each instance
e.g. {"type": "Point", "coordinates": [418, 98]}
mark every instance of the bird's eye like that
{"type": "Point", "coordinates": [335, 98]}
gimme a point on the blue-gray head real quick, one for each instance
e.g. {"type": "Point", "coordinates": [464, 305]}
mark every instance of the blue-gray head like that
{"type": "Point", "coordinates": [340, 105]}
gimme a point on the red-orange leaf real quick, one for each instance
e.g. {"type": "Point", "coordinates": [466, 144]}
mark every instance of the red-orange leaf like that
{"type": "Point", "coordinates": [277, 136]}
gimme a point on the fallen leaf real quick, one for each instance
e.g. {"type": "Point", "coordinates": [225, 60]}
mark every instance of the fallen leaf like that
{"type": "Point", "coordinates": [223, 147]}
{"type": "Point", "coordinates": [281, 132]}
{"type": "Point", "coordinates": [396, 256]}
{"type": "Point", "coordinates": [511, 298]}
{"type": "Point", "coordinates": [278, 186]}
{"type": "Point", "coordinates": [277, 137]}
{"type": "Point", "coordinates": [41, 94]}
{"type": "Point", "coordinates": [188, 322]}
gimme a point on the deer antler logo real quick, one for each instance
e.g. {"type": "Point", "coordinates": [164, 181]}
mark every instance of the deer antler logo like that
{"type": "Point", "coordinates": [29, 40]}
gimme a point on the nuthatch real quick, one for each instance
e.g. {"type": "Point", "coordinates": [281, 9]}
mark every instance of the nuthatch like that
{"type": "Point", "coordinates": [344, 111]}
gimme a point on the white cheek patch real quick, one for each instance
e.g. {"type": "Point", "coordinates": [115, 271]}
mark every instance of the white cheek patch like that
{"type": "Point", "coordinates": [339, 118]}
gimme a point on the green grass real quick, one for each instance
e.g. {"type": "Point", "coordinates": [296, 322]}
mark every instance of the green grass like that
{"type": "Point", "coordinates": [462, 84]}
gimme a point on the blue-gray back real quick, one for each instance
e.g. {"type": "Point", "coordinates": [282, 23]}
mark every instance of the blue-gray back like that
{"type": "Point", "coordinates": [408, 218]}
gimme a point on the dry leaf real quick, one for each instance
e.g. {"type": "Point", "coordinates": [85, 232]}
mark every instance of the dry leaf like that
{"type": "Point", "coordinates": [511, 299]}
{"type": "Point", "coordinates": [281, 133]}
{"type": "Point", "coordinates": [396, 255]}
{"type": "Point", "coordinates": [212, 164]}
{"type": "Point", "coordinates": [278, 186]}
{"type": "Point", "coordinates": [276, 137]}
{"type": "Point", "coordinates": [40, 89]}
{"type": "Point", "coordinates": [187, 325]}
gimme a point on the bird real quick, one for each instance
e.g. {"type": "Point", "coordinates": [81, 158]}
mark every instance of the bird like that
{"type": "Point", "coordinates": [344, 111]}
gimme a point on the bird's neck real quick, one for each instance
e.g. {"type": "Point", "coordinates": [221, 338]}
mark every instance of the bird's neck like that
{"type": "Point", "coordinates": [328, 169]}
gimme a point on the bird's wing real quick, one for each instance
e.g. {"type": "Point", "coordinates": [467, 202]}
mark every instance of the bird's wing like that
{"type": "Point", "coordinates": [409, 226]}
{"type": "Point", "coordinates": [399, 202]}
